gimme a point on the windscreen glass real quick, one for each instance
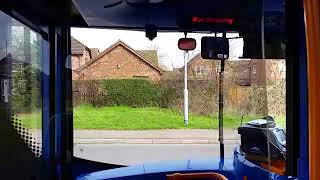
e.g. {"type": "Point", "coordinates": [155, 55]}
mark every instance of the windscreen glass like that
{"type": "Point", "coordinates": [129, 97]}
{"type": "Point", "coordinates": [20, 83]}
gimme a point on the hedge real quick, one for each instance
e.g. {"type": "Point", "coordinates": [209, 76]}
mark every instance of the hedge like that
{"type": "Point", "coordinates": [132, 92]}
{"type": "Point", "coordinates": [118, 92]}
{"type": "Point", "coordinates": [203, 95]}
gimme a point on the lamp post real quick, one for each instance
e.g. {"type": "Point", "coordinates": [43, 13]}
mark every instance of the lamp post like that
{"type": "Point", "coordinates": [185, 91]}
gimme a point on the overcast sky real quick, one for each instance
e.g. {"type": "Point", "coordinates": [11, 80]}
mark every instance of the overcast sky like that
{"type": "Point", "coordinates": [166, 43]}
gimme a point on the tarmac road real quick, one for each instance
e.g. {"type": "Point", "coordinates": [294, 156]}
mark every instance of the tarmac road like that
{"type": "Point", "coordinates": [133, 154]}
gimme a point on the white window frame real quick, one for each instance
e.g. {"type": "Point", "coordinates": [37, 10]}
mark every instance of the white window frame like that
{"type": "Point", "coordinates": [254, 69]}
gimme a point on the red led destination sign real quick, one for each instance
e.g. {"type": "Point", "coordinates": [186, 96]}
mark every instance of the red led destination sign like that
{"type": "Point", "coordinates": [210, 20]}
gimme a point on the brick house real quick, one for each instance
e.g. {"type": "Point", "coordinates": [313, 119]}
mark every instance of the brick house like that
{"type": "Point", "coordinates": [120, 61]}
{"type": "Point", "coordinates": [245, 80]}
{"type": "Point", "coordinates": [81, 53]}
{"type": "Point", "coordinates": [201, 69]}
{"type": "Point", "coordinates": [242, 72]}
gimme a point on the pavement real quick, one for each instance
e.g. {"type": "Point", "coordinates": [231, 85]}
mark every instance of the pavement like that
{"type": "Point", "coordinates": [166, 136]}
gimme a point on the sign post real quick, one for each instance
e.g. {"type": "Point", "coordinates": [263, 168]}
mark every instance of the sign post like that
{"type": "Point", "coordinates": [221, 106]}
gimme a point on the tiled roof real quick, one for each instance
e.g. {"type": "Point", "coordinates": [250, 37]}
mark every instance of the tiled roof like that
{"type": "Point", "coordinates": [77, 48]}
{"type": "Point", "coordinates": [119, 42]}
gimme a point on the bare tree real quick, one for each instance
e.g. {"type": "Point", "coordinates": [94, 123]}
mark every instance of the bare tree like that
{"type": "Point", "coordinates": [161, 56]}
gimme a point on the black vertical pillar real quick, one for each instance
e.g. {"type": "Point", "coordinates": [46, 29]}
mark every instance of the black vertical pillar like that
{"type": "Point", "coordinates": [221, 106]}
{"type": "Point", "coordinates": [67, 118]}
{"type": "Point", "coordinates": [51, 162]}
{"type": "Point", "coordinates": [294, 28]}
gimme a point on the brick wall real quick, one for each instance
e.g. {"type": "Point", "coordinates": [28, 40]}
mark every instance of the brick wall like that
{"type": "Point", "coordinates": [276, 69]}
{"type": "Point", "coordinates": [119, 63]}
{"type": "Point", "coordinates": [75, 75]}
{"type": "Point", "coordinates": [254, 72]}
{"type": "Point", "coordinates": [202, 69]}
{"type": "Point", "coordinates": [75, 61]}
{"type": "Point", "coordinates": [79, 60]}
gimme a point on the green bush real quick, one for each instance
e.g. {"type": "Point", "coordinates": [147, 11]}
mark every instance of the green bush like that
{"type": "Point", "coordinates": [26, 89]}
{"type": "Point", "coordinates": [131, 92]}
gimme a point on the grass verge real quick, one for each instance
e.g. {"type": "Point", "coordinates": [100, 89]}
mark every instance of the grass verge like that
{"type": "Point", "coordinates": [126, 118]}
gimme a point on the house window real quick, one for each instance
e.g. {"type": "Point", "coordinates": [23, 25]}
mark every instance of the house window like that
{"type": "Point", "coordinates": [254, 69]}
{"type": "Point", "coordinates": [202, 70]}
